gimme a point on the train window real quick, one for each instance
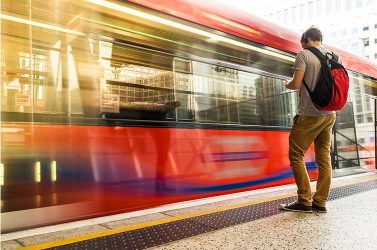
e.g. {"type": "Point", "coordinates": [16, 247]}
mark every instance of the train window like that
{"type": "Point", "coordinates": [361, 96]}
{"type": "Point", "coordinates": [206, 87]}
{"type": "Point", "coordinates": [138, 93]}
{"type": "Point", "coordinates": [183, 85]}
{"type": "Point", "coordinates": [181, 65]}
{"type": "Point", "coordinates": [224, 95]}
{"type": "Point", "coordinates": [103, 66]}
{"type": "Point", "coordinates": [279, 105]}
{"type": "Point", "coordinates": [249, 93]}
{"type": "Point", "coordinates": [27, 86]}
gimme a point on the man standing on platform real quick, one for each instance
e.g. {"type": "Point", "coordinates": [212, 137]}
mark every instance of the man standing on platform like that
{"type": "Point", "coordinates": [310, 125]}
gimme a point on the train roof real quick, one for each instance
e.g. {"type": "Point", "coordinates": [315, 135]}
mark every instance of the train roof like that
{"type": "Point", "coordinates": [236, 22]}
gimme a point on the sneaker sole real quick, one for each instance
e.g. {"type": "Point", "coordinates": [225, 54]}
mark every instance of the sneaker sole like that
{"type": "Point", "coordinates": [319, 211]}
{"type": "Point", "coordinates": [294, 210]}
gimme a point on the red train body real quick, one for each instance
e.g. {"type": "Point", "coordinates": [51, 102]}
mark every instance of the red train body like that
{"type": "Point", "coordinates": [63, 171]}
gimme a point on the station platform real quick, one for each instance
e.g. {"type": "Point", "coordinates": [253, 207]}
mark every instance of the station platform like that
{"type": "Point", "coordinates": [248, 220]}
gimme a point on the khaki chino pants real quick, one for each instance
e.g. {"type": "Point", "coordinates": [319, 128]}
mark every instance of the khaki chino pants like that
{"type": "Point", "coordinates": [305, 131]}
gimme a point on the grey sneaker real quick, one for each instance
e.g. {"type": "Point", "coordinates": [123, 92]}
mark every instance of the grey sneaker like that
{"type": "Point", "coordinates": [296, 207]}
{"type": "Point", "coordinates": [319, 209]}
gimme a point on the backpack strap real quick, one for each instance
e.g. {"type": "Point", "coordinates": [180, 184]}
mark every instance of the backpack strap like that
{"type": "Point", "coordinates": [333, 56]}
{"type": "Point", "coordinates": [306, 86]}
{"type": "Point", "coordinates": [321, 57]}
{"type": "Point", "coordinates": [318, 54]}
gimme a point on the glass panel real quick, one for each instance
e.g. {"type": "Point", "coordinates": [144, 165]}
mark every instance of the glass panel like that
{"type": "Point", "coordinates": [205, 92]}
{"type": "Point", "coordinates": [115, 66]}
{"type": "Point", "coordinates": [138, 93]}
{"type": "Point", "coordinates": [249, 100]}
{"type": "Point", "coordinates": [184, 88]}
{"type": "Point", "coordinates": [361, 94]}
{"type": "Point", "coordinates": [279, 105]}
{"type": "Point", "coordinates": [265, 101]}
{"type": "Point", "coordinates": [18, 62]}
{"type": "Point", "coordinates": [346, 141]}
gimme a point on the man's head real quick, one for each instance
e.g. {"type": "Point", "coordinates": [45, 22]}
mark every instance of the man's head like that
{"type": "Point", "coordinates": [311, 37]}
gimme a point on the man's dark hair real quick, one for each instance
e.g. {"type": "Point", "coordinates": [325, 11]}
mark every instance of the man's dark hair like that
{"type": "Point", "coordinates": [313, 33]}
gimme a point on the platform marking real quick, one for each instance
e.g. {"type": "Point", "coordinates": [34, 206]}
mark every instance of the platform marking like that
{"type": "Point", "coordinates": [175, 218]}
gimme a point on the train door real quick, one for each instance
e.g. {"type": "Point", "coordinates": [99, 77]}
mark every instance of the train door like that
{"type": "Point", "coordinates": [346, 148]}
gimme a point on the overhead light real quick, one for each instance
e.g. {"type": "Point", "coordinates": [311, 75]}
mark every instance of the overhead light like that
{"type": "Point", "coordinates": [184, 27]}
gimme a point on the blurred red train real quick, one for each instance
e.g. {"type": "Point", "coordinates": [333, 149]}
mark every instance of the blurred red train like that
{"type": "Point", "coordinates": [110, 107]}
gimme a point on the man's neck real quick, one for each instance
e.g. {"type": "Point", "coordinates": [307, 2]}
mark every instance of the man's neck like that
{"type": "Point", "coordinates": [314, 44]}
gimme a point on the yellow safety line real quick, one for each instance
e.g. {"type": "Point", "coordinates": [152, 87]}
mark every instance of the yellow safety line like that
{"type": "Point", "coordinates": [172, 219]}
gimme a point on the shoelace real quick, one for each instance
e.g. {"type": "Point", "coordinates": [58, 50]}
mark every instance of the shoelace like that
{"type": "Point", "coordinates": [293, 203]}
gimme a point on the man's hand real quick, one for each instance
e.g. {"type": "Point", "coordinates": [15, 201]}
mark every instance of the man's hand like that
{"type": "Point", "coordinates": [286, 82]}
{"type": "Point", "coordinates": [298, 76]}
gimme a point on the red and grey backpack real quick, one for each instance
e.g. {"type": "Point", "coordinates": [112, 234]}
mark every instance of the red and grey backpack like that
{"type": "Point", "coordinates": [331, 89]}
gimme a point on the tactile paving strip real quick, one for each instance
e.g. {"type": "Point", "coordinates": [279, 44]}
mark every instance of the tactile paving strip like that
{"type": "Point", "coordinates": [172, 231]}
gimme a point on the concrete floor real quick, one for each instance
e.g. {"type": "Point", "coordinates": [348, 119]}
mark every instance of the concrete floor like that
{"type": "Point", "coordinates": [351, 223]}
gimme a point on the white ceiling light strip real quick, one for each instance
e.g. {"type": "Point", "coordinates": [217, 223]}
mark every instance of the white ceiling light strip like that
{"type": "Point", "coordinates": [41, 25]}
{"type": "Point", "coordinates": [170, 23]}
